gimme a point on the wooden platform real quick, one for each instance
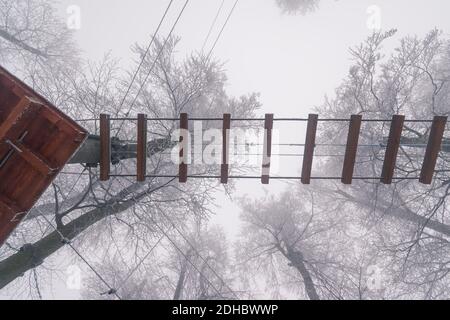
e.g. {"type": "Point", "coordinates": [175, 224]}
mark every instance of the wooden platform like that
{"type": "Point", "coordinates": [36, 141]}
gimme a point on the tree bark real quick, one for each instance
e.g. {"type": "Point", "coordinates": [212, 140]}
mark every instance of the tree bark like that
{"type": "Point", "coordinates": [297, 261]}
{"type": "Point", "coordinates": [403, 213]}
{"type": "Point", "coordinates": [180, 283]}
{"type": "Point", "coordinates": [7, 36]}
{"type": "Point", "coordinates": [32, 255]}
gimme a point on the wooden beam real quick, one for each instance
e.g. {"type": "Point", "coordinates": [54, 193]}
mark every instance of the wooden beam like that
{"type": "Point", "coordinates": [10, 217]}
{"type": "Point", "coordinates": [141, 159]}
{"type": "Point", "coordinates": [6, 208]}
{"type": "Point", "coordinates": [63, 126]}
{"type": "Point", "coordinates": [351, 149]}
{"type": "Point", "coordinates": [184, 144]}
{"type": "Point", "coordinates": [267, 152]}
{"type": "Point", "coordinates": [310, 144]}
{"type": "Point", "coordinates": [224, 169]}
{"type": "Point", "coordinates": [105, 147]}
{"type": "Point", "coordinates": [33, 159]}
{"type": "Point", "coordinates": [433, 148]}
{"type": "Point", "coordinates": [14, 115]}
{"type": "Point", "coordinates": [393, 144]}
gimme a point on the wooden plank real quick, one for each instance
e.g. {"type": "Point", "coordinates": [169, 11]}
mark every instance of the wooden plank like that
{"type": "Point", "coordinates": [7, 213]}
{"type": "Point", "coordinates": [105, 147]}
{"type": "Point", "coordinates": [433, 148]}
{"type": "Point", "coordinates": [63, 126]}
{"type": "Point", "coordinates": [310, 144]}
{"type": "Point", "coordinates": [9, 208]}
{"type": "Point", "coordinates": [141, 160]}
{"type": "Point", "coordinates": [14, 116]}
{"type": "Point", "coordinates": [184, 144]}
{"type": "Point", "coordinates": [351, 149]}
{"type": "Point", "coordinates": [10, 216]}
{"type": "Point", "coordinates": [35, 160]}
{"type": "Point", "coordinates": [224, 169]}
{"type": "Point", "coordinates": [36, 148]}
{"type": "Point", "coordinates": [5, 207]}
{"type": "Point", "coordinates": [267, 151]}
{"type": "Point", "coordinates": [393, 144]}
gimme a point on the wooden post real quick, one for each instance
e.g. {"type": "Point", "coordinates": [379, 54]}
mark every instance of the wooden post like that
{"type": "Point", "coordinates": [392, 147]}
{"type": "Point", "coordinates": [351, 149]}
{"type": "Point", "coordinates": [184, 144]}
{"type": "Point", "coordinates": [225, 148]}
{"type": "Point", "coordinates": [310, 144]}
{"type": "Point", "coordinates": [141, 158]}
{"type": "Point", "coordinates": [433, 148]}
{"type": "Point", "coordinates": [267, 152]}
{"type": "Point", "coordinates": [105, 147]}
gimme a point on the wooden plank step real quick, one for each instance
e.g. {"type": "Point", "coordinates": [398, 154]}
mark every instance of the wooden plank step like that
{"type": "Point", "coordinates": [141, 158]}
{"type": "Point", "coordinates": [224, 168]}
{"type": "Point", "coordinates": [393, 144]}
{"type": "Point", "coordinates": [310, 144]}
{"type": "Point", "coordinates": [267, 151]}
{"type": "Point", "coordinates": [184, 144]}
{"type": "Point", "coordinates": [105, 147]}
{"type": "Point", "coordinates": [351, 149]}
{"type": "Point", "coordinates": [433, 148]}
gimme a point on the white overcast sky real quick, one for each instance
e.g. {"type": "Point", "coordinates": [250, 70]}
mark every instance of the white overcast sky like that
{"type": "Point", "coordinates": [293, 61]}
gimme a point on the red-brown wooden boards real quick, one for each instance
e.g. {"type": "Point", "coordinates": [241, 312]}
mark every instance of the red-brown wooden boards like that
{"type": "Point", "coordinates": [184, 144]}
{"type": "Point", "coordinates": [31, 157]}
{"type": "Point", "coordinates": [224, 168]}
{"type": "Point", "coordinates": [16, 112]}
{"type": "Point", "coordinates": [36, 141]}
{"type": "Point", "coordinates": [351, 149]}
{"type": "Point", "coordinates": [433, 148]}
{"type": "Point", "coordinates": [141, 157]}
{"type": "Point", "coordinates": [267, 151]}
{"type": "Point", "coordinates": [393, 144]}
{"type": "Point", "coordinates": [310, 144]}
{"type": "Point", "coordinates": [105, 147]}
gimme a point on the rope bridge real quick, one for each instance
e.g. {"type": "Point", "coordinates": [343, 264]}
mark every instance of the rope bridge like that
{"type": "Point", "coordinates": [433, 147]}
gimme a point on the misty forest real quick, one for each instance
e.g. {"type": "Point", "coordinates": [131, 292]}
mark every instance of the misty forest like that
{"type": "Point", "coordinates": [159, 239]}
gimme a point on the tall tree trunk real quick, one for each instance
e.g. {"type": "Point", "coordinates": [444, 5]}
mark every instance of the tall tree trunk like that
{"type": "Point", "coordinates": [402, 213]}
{"type": "Point", "coordinates": [32, 255]}
{"type": "Point", "coordinates": [7, 36]}
{"type": "Point", "coordinates": [180, 283]}
{"type": "Point", "coordinates": [296, 259]}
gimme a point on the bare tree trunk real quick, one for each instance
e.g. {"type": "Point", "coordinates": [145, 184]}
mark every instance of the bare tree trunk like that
{"type": "Point", "coordinates": [5, 35]}
{"type": "Point", "coordinates": [296, 259]}
{"type": "Point", "coordinates": [403, 213]}
{"type": "Point", "coordinates": [32, 255]}
{"type": "Point", "coordinates": [180, 283]}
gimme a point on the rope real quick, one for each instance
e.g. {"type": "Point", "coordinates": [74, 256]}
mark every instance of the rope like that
{"type": "Point", "coordinates": [221, 31]}
{"type": "Point", "coordinates": [154, 63]}
{"type": "Point", "coordinates": [213, 24]}
{"type": "Point", "coordinates": [67, 242]}
{"type": "Point", "coordinates": [256, 119]}
{"type": "Point", "coordinates": [145, 54]}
